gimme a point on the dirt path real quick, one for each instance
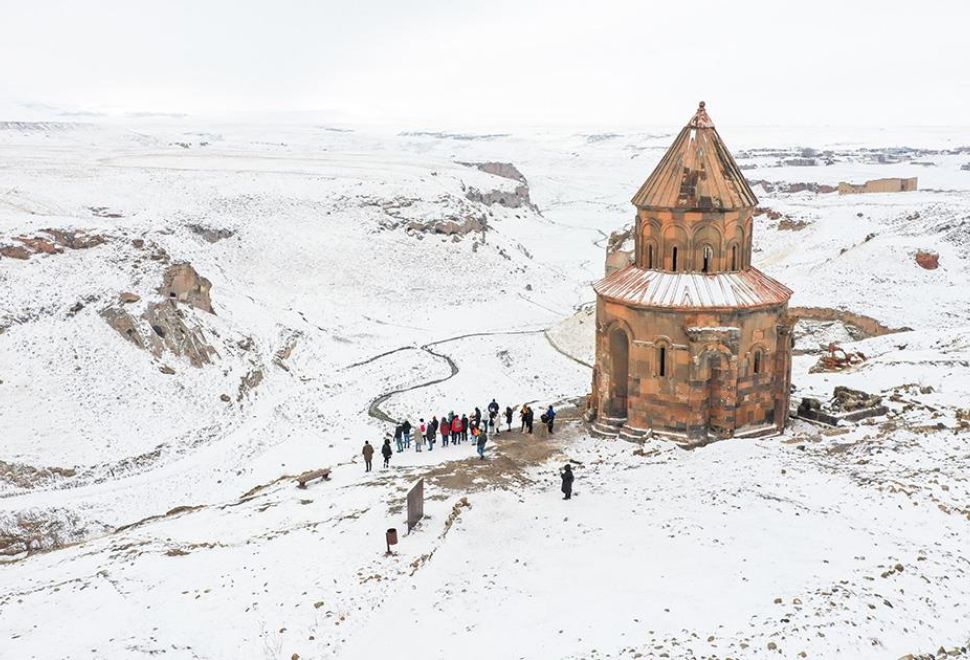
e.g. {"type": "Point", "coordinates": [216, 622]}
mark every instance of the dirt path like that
{"type": "Point", "coordinates": [374, 409]}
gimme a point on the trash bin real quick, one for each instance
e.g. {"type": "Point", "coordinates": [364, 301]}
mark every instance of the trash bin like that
{"type": "Point", "coordinates": [391, 537]}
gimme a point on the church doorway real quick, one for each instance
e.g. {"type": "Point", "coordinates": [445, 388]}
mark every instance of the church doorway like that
{"type": "Point", "coordinates": [620, 373]}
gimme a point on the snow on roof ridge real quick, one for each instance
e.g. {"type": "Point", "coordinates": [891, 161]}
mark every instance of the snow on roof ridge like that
{"type": "Point", "coordinates": [649, 288]}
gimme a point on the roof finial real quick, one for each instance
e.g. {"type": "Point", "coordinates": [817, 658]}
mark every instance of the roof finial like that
{"type": "Point", "coordinates": [701, 118]}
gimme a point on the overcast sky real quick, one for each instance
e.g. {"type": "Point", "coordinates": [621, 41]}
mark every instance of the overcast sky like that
{"type": "Point", "coordinates": [503, 61]}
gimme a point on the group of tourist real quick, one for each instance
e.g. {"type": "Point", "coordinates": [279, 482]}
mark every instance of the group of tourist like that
{"type": "Point", "coordinates": [454, 429]}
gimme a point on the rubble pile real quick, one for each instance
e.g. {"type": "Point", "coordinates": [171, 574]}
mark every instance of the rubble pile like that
{"type": "Point", "coordinates": [837, 359]}
{"type": "Point", "coordinates": [845, 399]}
{"type": "Point", "coordinates": [846, 405]}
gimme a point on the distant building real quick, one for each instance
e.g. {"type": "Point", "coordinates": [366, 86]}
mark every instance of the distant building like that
{"type": "Point", "coordinates": [691, 341]}
{"type": "Point", "coordinates": [878, 186]}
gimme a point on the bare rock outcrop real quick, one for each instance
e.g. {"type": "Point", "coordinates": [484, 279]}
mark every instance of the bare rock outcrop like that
{"type": "Point", "coordinates": [504, 170]}
{"type": "Point", "coordinates": [450, 226]}
{"type": "Point", "coordinates": [164, 327]}
{"type": "Point", "coordinates": [76, 240]}
{"type": "Point", "coordinates": [22, 475]}
{"type": "Point", "coordinates": [517, 198]}
{"type": "Point", "coordinates": [14, 252]}
{"type": "Point", "coordinates": [58, 240]}
{"type": "Point", "coordinates": [928, 259]}
{"type": "Point", "coordinates": [34, 530]}
{"type": "Point", "coordinates": [209, 234]}
{"type": "Point", "coordinates": [181, 283]}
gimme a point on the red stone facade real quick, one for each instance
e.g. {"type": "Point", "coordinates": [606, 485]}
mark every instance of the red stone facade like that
{"type": "Point", "coordinates": [691, 341]}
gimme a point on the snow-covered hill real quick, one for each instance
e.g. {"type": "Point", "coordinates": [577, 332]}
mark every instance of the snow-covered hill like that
{"type": "Point", "coordinates": [358, 274]}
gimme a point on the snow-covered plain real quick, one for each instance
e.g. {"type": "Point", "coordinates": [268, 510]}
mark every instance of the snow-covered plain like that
{"type": "Point", "coordinates": [846, 543]}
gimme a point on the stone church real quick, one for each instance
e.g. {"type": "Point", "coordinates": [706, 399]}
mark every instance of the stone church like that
{"type": "Point", "coordinates": [692, 342]}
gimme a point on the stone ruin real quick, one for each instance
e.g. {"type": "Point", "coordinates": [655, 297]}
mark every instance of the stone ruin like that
{"type": "Point", "coordinates": [797, 187]}
{"type": "Point", "coordinates": [894, 184]}
{"type": "Point", "coordinates": [846, 405]}
{"type": "Point", "coordinates": [620, 250]}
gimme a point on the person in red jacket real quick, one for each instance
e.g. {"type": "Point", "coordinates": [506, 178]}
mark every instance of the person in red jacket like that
{"type": "Point", "coordinates": [445, 430]}
{"type": "Point", "coordinates": [456, 430]}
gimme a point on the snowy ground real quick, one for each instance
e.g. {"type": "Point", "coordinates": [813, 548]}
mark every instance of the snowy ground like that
{"type": "Point", "coordinates": [860, 532]}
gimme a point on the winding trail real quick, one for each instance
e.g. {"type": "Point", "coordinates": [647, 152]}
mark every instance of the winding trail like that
{"type": "Point", "coordinates": [563, 352]}
{"type": "Point", "coordinates": [374, 409]}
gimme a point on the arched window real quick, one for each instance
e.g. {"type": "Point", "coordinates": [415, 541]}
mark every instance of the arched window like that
{"type": "Point", "coordinates": [734, 257]}
{"type": "Point", "coordinates": [673, 259]}
{"type": "Point", "coordinates": [662, 359]}
{"type": "Point", "coordinates": [708, 259]}
{"type": "Point", "coordinates": [650, 256]}
{"type": "Point", "coordinates": [758, 359]}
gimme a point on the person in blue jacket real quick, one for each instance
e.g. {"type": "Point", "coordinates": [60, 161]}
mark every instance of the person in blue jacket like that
{"type": "Point", "coordinates": [550, 417]}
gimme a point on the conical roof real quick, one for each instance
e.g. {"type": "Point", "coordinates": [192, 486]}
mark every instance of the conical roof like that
{"type": "Point", "coordinates": [697, 173]}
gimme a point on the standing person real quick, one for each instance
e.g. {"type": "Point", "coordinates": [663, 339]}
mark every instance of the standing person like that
{"type": "Point", "coordinates": [478, 416]}
{"type": "Point", "coordinates": [464, 428]}
{"type": "Point", "coordinates": [492, 411]}
{"type": "Point", "coordinates": [482, 439]}
{"type": "Point", "coordinates": [406, 432]}
{"type": "Point", "coordinates": [530, 417]}
{"type": "Point", "coordinates": [567, 482]}
{"type": "Point", "coordinates": [524, 416]}
{"type": "Point", "coordinates": [399, 438]}
{"type": "Point", "coordinates": [508, 417]}
{"type": "Point", "coordinates": [456, 429]}
{"type": "Point", "coordinates": [422, 434]}
{"type": "Point", "coordinates": [445, 430]}
{"type": "Point", "coordinates": [432, 430]}
{"type": "Point", "coordinates": [387, 452]}
{"type": "Point", "coordinates": [550, 417]}
{"type": "Point", "coordinates": [368, 455]}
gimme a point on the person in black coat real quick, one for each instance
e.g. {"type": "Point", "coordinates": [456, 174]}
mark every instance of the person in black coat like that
{"type": "Point", "coordinates": [508, 417]}
{"type": "Point", "coordinates": [406, 432]}
{"type": "Point", "coordinates": [567, 482]}
{"type": "Point", "coordinates": [387, 452]}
